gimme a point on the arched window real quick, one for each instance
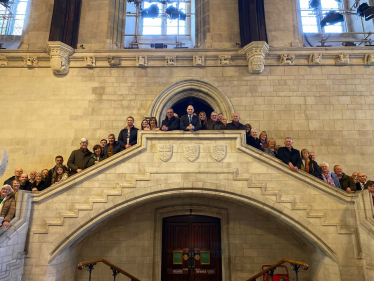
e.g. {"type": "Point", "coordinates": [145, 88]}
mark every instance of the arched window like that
{"type": "Point", "coordinates": [12, 17]}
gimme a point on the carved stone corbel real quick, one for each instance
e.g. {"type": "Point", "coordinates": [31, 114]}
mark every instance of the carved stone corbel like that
{"type": "Point", "coordinates": [342, 59]}
{"type": "Point", "coordinates": [369, 59]}
{"type": "Point", "coordinates": [287, 59]}
{"type": "Point", "coordinates": [315, 59]}
{"type": "Point", "coordinates": [30, 61]}
{"type": "Point", "coordinates": [59, 54]}
{"type": "Point", "coordinates": [3, 61]}
{"type": "Point", "coordinates": [90, 61]}
{"type": "Point", "coordinates": [141, 61]}
{"type": "Point", "coordinates": [170, 60]}
{"type": "Point", "coordinates": [224, 60]}
{"type": "Point", "coordinates": [255, 52]}
{"type": "Point", "coordinates": [198, 61]}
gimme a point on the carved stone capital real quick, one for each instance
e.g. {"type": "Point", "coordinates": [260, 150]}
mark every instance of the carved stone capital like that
{"type": "Point", "coordinates": [59, 54]}
{"type": "Point", "coordinates": [255, 52]}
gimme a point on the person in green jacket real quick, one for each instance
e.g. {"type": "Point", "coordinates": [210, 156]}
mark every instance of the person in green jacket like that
{"type": "Point", "coordinates": [346, 182]}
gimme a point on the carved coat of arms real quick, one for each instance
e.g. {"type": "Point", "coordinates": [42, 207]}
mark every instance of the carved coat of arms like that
{"type": "Point", "coordinates": [165, 151]}
{"type": "Point", "coordinates": [219, 151]}
{"type": "Point", "coordinates": [192, 151]}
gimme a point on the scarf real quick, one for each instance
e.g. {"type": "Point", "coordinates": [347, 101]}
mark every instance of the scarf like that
{"type": "Point", "coordinates": [328, 179]}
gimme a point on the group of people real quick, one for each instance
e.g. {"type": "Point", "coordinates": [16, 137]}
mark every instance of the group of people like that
{"type": "Point", "coordinates": [83, 158]}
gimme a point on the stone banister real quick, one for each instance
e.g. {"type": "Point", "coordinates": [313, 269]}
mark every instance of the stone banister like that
{"type": "Point", "coordinates": [141, 146]}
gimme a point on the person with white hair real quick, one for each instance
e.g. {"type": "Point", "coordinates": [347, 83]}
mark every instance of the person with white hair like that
{"type": "Point", "coordinates": [329, 177]}
{"type": "Point", "coordinates": [7, 205]}
{"type": "Point", "coordinates": [79, 158]}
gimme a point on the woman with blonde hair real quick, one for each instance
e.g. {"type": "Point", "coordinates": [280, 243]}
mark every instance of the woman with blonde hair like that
{"type": "Point", "coordinates": [271, 149]}
{"type": "Point", "coordinates": [308, 165]}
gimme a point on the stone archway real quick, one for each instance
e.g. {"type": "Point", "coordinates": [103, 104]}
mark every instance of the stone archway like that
{"type": "Point", "coordinates": [191, 88]}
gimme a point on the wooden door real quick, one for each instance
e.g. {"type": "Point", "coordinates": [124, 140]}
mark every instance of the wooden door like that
{"type": "Point", "coordinates": [191, 249]}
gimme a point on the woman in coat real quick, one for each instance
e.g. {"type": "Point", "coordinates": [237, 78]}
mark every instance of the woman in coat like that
{"type": "Point", "coordinates": [309, 166]}
{"type": "Point", "coordinates": [96, 157]}
{"type": "Point", "coordinates": [252, 140]}
{"type": "Point", "coordinates": [7, 205]}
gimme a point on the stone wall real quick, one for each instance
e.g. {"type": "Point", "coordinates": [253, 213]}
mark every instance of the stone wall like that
{"type": "Point", "coordinates": [326, 109]}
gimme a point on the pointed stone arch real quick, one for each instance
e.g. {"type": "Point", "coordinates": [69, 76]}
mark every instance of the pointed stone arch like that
{"type": "Point", "coordinates": [191, 88]}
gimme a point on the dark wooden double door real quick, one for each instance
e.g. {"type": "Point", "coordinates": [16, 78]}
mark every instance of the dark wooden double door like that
{"type": "Point", "coordinates": [191, 249]}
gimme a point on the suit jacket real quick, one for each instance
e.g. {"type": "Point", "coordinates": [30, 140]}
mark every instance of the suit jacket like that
{"type": "Point", "coordinates": [122, 138]}
{"type": "Point", "coordinates": [358, 186]}
{"type": "Point", "coordinates": [172, 124]}
{"type": "Point", "coordinates": [185, 122]}
{"type": "Point", "coordinates": [288, 156]}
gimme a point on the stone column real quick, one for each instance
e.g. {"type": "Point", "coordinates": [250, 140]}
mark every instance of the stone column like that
{"type": "Point", "coordinates": [255, 52]}
{"type": "Point", "coordinates": [59, 54]}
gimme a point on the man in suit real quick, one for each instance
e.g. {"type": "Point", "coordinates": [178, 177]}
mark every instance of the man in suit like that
{"type": "Point", "coordinates": [289, 155]}
{"type": "Point", "coordinates": [113, 147]}
{"type": "Point", "coordinates": [361, 177]}
{"type": "Point", "coordinates": [128, 136]}
{"type": "Point", "coordinates": [189, 122]}
{"type": "Point", "coordinates": [170, 123]}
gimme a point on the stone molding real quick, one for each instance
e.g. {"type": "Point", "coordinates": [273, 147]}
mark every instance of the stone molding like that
{"type": "Point", "coordinates": [190, 88]}
{"type": "Point", "coordinates": [189, 57]}
{"type": "Point", "coordinates": [59, 54]}
{"type": "Point", "coordinates": [255, 53]}
{"type": "Point", "coordinates": [30, 61]}
{"type": "Point", "coordinates": [192, 152]}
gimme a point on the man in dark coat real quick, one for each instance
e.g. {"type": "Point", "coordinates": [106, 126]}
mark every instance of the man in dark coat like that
{"type": "Point", "coordinates": [189, 122]}
{"type": "Point", "coordinates": [360, 184]}
{"type": "Point", "coordinates": [129, 135]}
{"type": "Point", "coordinates": [17, 174]}
{"type": "Point", "coordinates": [59, 160]}
{"type": "Point", "coordinates": [346, 182]}
{"type": "Point", "coordinates": [170, 123]}
{"type": "Point", "coordinates": [213, 123]}
{"type": "Point", "coordinates": [113, 147]}
{"type": "Point", "coordinates": [289, 155]}
{"type": "Point", "coordinates": [79, 158]}
{"type": "Point", "coordinates": [235, 124]}
{"type": "Point", "coordinates": [24, 182]}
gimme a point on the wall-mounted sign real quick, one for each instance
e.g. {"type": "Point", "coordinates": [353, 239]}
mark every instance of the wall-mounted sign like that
{"type": "Point", "coordinates": [205, 257]}
{"type": "Point", "coordinates": [177, 257]}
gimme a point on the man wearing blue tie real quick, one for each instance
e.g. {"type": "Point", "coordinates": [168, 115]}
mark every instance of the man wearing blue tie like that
{"type": "Point", "coordinates": [189, 122]}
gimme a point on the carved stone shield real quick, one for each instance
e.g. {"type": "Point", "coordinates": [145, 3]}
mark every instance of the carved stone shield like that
{"type": "Point", "coordinates": [165, 151]}
{"type": "Point", "coordinates": [219, 151]}
{"type": "Point", "coordinates": [192, 151]}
